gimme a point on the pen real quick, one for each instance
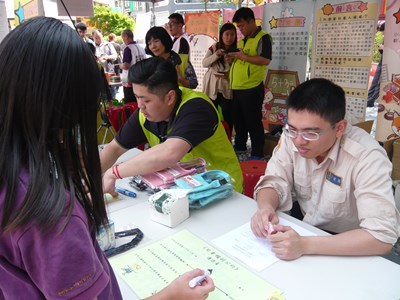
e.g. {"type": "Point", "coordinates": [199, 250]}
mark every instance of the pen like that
{"type": "Point", "coordinates": [199, 279]}
{"type": "Point", "coordinates": [271, 229]}
{"type": "Point", "coordinates": [125, 192]}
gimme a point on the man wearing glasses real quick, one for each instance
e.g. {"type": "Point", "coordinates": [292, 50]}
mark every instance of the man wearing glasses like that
{"type": "Point", "coordinates": [339, 174]}
{"type": "Point", "coordinates": [181, 40]}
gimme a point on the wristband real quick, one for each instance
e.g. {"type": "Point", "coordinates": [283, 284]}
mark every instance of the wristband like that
{"type": "Point", "coordinates": [115, 172]}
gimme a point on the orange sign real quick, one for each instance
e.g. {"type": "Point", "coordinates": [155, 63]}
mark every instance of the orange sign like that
{"type": "Point", "coordinates": [202, 23]}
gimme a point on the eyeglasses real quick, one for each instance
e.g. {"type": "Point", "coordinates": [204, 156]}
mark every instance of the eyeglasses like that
{"type": "Point", "coordinates": [306, 135]}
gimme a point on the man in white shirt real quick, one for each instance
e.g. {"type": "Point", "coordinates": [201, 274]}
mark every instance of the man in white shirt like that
{"type": "Point", "coordinates": [133, 53]}
{"type": "Point", "coordinates": [181, 40]}
{"type": "Point", "coordinates": [105, 52]}
{"type": "Point", "coordinates": [106, 55]}
{"type": "Point", "coordinates": [340, 175]}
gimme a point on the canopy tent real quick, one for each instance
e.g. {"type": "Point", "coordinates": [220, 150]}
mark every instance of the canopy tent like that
{"type": "Point", "coordinates": [75, 8]}
{"type": "Point", "coordinates": [153, 16]}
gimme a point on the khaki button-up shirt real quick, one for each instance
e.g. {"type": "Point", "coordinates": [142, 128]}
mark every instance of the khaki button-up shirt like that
{"type": "Point", "coordinates": [350, 189]}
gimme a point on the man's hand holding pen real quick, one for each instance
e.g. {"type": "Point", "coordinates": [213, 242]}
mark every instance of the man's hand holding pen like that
{"type": "Point", "coordinates": [261, 221]}
{"type": "Point", "coordinates": [286, 243]}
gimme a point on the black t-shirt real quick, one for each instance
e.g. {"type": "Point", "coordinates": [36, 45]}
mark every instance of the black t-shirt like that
{"type": "Point", "coordinates": [184, 47]}
{"type": "Point", "coordinates": [266, 47]}
{"type": "Point", "coordinates": [197, 121]}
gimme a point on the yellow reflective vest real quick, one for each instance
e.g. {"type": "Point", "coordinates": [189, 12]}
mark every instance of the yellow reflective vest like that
{"type": "Point", "coordinates": [216, 150]}
{"type": "Point", "coordinates": [245, 75]}
{"type": "Point", "coordinates": [182, 67]}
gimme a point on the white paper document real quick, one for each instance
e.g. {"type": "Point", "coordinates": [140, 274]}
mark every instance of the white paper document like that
{"type": "Point", "coordinates": [253, 251]}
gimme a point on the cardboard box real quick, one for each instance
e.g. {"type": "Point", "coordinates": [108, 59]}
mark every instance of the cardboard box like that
{"type": "Point", "coordinates": [396, 160]}
{"type": "Point", "coordinates": [270, 143]}
{"type": "Point", "coordinates": [366, 125]}
{"type": "Point", "coordinates": [392, 148]}
{"type": "Point", "coordinates": [388, 146]}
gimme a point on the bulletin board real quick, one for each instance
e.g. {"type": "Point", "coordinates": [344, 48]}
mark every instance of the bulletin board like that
{"type": "Point", "coordinates": [278, 85]}
{"type": "Point", "coordinates": [343, 38]}
{"type": "Point", "coordinates": [281, 83]}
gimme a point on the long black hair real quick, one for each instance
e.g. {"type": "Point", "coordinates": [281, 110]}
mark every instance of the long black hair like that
{"type": "Point", "coordinates": [221, 45]}
{"type": "Point", "coordinates": [49, 95]}
{"type": "Point", "coordinates": [225, 27]}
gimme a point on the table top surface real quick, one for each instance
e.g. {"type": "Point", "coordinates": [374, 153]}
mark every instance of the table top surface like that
{"type": "Point", "coordinates": [308, 277]}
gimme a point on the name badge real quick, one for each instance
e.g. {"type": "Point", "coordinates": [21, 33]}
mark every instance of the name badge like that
{"type": "Point", "coordinates": [331, 177]}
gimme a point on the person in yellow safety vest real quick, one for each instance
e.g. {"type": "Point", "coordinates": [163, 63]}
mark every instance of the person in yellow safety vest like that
{"type": "Point", "coordinates": [159, 43]}
{"type": "Point", "coordinates": [247, 74]}
{"type": "Point", "coordinates": [178, 123]}
{"type": "Point", "coordinates": [181, 45]}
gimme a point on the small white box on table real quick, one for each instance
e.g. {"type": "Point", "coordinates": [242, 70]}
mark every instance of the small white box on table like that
{"type": "Point", "coordinates": [169, 207]}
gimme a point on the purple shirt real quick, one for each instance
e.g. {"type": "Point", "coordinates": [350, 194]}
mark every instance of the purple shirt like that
{"type": "Point", "coordinates": [127, 55]}
{"type": "Point", "coordinates": [54, 265]}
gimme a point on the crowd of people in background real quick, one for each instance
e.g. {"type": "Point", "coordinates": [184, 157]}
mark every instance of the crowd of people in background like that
{"type": "Point", "coordinates": [235, 69]}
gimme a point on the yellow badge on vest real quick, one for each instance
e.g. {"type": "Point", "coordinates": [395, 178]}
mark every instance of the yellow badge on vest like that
{"type": "Point", "coordinates": [331, 177]}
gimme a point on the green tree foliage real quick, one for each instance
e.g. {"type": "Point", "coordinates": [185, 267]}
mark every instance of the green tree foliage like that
{"type": "Point", "coordinates": [110, 22]}
{"type": "Point", "coordinates": [376, 55]}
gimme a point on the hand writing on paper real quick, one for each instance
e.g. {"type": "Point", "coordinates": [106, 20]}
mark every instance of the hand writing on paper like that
{"type": "Point", "coordinates": [179, 288]}
{"type": "Point", "coordinates": [286, 243]}
{"type": "Point", "coordinates": [260, 222]}
{"type": "Point", "coordinates": [109, 183]}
